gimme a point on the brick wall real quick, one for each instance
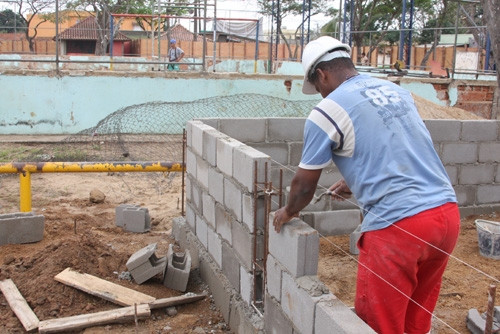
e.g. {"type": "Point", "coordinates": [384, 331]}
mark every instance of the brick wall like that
{"type": "Point", "coordinates": [225, 217]}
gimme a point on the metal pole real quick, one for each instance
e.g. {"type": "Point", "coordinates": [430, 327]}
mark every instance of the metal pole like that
{"type": "Point", "coordinates": [402, 33]}
{"type": "Point", "coordinates": [57, 34]}
{"type": "Point", "coordinates": [455, 44]}
{"type": "Point", "coordinates": [25, 192]}
{"type": "Point", "coordinates": [408, 52]}
{"type": "Point", "coordinates": [278, 26]}
{"type": "Point", "coordinates": [215, 37]}
{"type": "Point", "coordinates": [256, 47]}
{"type": "Point", "coordinates": [204, 57]}
{"type": "Point", "coordinates": [488, 50]}
{"type": "Point", "coordinates": [270, 61]}
{"type": "Point", "coordinates": [111, 40]}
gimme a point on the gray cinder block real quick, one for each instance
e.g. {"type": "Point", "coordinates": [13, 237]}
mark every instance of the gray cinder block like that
{"type": "Point", "coordinates": [476, 322]}
{"type": "Point", "coordinates": [119, 219]}
{"type": "Point", "coordinates": [21, 228]}
{"type": "Point", "coordinates": [353, 240]}
{"type": "Point", "coordinates": [333, 316]}
{"type": "Point", "coordinates": [177, 271]}
{"type": "Point", "coordinates": [144, 264]}
{"type": "Point", "coordinates": [136, 220]}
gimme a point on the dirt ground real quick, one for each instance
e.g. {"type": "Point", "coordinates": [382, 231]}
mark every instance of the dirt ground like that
{"type": "Point", "coordinates": [82, 235]}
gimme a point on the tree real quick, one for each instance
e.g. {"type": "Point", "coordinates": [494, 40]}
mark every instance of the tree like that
{"type": "Point", "coordinates": [491, 14]}
{"type": "Point", "coordinates": [292, 7]}
{"type": "Point", "coordinates": [11, 22]}
{"type": "Point", "coordinates": [27, 10]}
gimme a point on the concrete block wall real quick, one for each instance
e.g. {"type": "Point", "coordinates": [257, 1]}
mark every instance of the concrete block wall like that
{"type": "Point", "coordinates": [220, 208]}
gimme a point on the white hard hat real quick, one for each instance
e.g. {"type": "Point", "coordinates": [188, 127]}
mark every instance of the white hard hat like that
{"type": "Point", "coordinates": [321, 49]}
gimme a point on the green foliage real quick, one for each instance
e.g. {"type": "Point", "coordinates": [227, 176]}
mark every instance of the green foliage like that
{"type": "Point", "coordinates": [11, 22]}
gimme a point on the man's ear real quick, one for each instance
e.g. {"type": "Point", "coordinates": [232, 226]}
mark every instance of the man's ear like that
{"type": "Point", "coordinates": [320, 74]}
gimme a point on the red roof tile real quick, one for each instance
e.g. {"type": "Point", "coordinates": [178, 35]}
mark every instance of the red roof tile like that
{"type": "Point", "coordinates": [87, 30]}
{"type": "Point", "coordinates": [179, 33]}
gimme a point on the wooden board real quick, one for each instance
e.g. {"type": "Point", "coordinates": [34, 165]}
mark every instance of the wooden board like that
{"type": "Point", "coordinates": [101, 288]}
{"type": "Point", "coordinates": [172, 301]}
{"type": "Point", "coordinates": [18, 304]}
{"type": "Point", "coordinates": [94, 319]}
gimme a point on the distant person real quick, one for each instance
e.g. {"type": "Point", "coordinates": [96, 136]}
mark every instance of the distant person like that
{"type": "Point", "coordinates": [370, 128]}
{"type": "Point", "coordinates": [364, 59]}
{"type": "Point", "coordinates": [175, 54]}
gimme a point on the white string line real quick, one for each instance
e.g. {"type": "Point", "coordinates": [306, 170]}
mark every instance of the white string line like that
{"type": "Point", "coordinates": [384, 280]}
{"type": "Point", "coordinates": [409, 233]}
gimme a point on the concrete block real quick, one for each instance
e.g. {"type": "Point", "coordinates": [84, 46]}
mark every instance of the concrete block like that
{"type": "Point", "coordinates": [216, 185]}
{"type": "Point", "coordinates": [489, 152]}
{"type": "Point", "coordinates": [338, 222]}
{"type": "Point", "coordinates": [246, 285]}
{"type": "Point", "coordinates": [202, 231]}
{"type": "Point", "coordinates": [209, 153]}
{"type": "Point", "coordinates": [208, 205]}
{"type": "Point", "coordinates": [275, 321]}
{"type": "Point", "coordinates": [296, 247]}
{"type": "Point", "coordinates": [444, 130]}
{"type": "Point", "coordinates": [285, 129]}
{"type": "Point", "coordinates": [231, 266]}
{"type": "Point", "coordinates": [196, 191]}
{"type": "Point", "coordinates": [476, 322]}
{"type": "Point", "coordinates": [273, 280]}
{"type": "Point", "coordinates": [190, 216]}
{"type": "Point", "coordinates": [119, 219]}
{"type": "Point", "coordinates": [333, 316]}
{"type": "Point", "coordinates": [459, 153]}
{"type": "Point", "coordinates": [298, 304]}
{"type": "Point", "coordinates": [213, 122]}
{"type": "Point", "coordinates": [353, 240]}
{"type": "Point", "coordinates": [244, 320]}
{"type": "Point", "coordinates": [497, 176]}
{"type": "Point", "coordinates": [232, 198]}
{"type": "Point", "coordinates": [191, 163]}
{"type": "Point", "coordinates": [243, 243]}
{"type": "Point", "coordinates": [214, 246]}
{"type": "Point", "coordinates": [189, 131]}
{"type": "Point", "coordinates": [250, 205]}
{"type": "Point", "coordinates": [178, 269]}
{"type": "Point", "coordinates": [21, 228]}
{"type": "Point", "coordinates": [179, 230]}
{"type": "Point", "coordinates": [277, 151]}
{"type": "Point", "coordinates": [487, 194]}
{"type": "Point", "coordinates": [245, 130]}
{"type": "Point", "coordinates": [452, 172]}
{"type": "Point", "coordinates": [295, 150]}
{"type": "Point", "coordinates": [223, 222]}
{"type": "Point", "coordinates": [466, 195]}
{"type": "Point", "coordinates": [202, 171]}
{"type": "Point", "coordinates": [218, 284]}
{"type": "Point", "coordinates": [244, 160]}
{"type": "Point", "coordinates": [136, 220]}
{"type": "Point", "coordinates": [144, 264]}
{"type": "Point", "coordinates": [225, 147]}
{"type": "Point", "coordinates": [197, 137]}
{"type": "Point", "coordinates": [479, 130]}
{"type": "Point", "coordinates": [188, 188]}
{"type": "Point", "coordinates": [476, 174]}
{"type": "Point", "coordinates": [194, 247]}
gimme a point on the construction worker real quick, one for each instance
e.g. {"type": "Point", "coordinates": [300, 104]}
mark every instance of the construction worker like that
{"type": "Point", "coordinates": [371, 130]}
{"type": "Point", "coordinates": [175, 54]}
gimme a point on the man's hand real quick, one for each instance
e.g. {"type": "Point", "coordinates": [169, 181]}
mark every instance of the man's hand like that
{"type": "Point", "coordinates": [281, 217]}
{"type": "Point", "coordinates": [340, 191]}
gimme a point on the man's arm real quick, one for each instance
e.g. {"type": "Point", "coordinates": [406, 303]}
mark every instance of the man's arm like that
{"type": "Point", "coordinates": [181, 56]}
{"type": "Point", "coordinates": [301, 192]}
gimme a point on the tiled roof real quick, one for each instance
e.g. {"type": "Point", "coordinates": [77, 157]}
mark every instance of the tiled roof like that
{"type": "Point", "coordinates": [87, 30]}
{"type": "Point", "coordinates": [179, 33]}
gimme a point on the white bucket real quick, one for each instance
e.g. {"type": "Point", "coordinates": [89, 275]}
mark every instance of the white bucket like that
{"type": "Point", "coordinates": [488, 234]}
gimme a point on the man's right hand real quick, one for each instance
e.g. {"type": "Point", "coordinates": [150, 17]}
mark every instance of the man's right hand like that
{"type": "Point", "coordinates": [340, 191]}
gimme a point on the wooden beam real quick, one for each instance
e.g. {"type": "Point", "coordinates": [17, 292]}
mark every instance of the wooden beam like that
{"type": "Point", "coordinates": [101, 288]}
{"type": "Point", "coordinates": [94, 319]}
{"type": "Point", "coordinates": [18, 304]}
{"type": "Point", "coordinates": [172, 301]}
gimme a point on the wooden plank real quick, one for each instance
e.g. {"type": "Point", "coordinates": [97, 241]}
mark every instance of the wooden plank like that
{"type": "Point", "coordinates": [101, 288]}
{"type": "Point", "coordinates": [18, 304]}
{"type": "Point", "coordinates": [172, 301]}
{"type": "Point", "coordinates": [94, 319]}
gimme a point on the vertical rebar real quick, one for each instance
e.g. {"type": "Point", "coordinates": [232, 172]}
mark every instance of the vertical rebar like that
{"type": "Point", "coordinates": [489, 313]}
{"type": "Point", "coordinates": [184, 142]}
{"type": "Point", "coordinates": [254, 254]}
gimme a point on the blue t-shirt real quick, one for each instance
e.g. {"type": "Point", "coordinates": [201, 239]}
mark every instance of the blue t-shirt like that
{"type": "Point", "coordinates": [370, 128]}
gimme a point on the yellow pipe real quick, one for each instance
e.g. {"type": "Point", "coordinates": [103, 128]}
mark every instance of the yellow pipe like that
{"type": "Point", "coordinates": [25, 192]}
{"type": "Point", "coordinates": [25, 170]}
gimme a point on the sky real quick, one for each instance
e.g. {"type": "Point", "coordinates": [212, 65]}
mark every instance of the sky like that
{"type": "Point", "coordinates": [250, 8]}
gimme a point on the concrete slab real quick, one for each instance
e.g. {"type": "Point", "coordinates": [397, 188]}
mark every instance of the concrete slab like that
{"type": "Point", "coordinates": [21, 228]}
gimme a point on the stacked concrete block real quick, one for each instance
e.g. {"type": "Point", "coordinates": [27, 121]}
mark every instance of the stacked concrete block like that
{"type": "Point", "coordinates": [132, 218]}
{"type": "Point", "coordinates": [144, 264]}
{"type": "Point", "coordinates": [296, 247]}
{"type": "Point", "coordinates": [353, 240]}
{"type": "Point", "coordinates": [333, 316]}
{"type": "Point", "coordinates": [21, 228]}
{"type": "Point", "coordinates": [337, 222]}
{"type": "Point", "coordinates": [178, 269]}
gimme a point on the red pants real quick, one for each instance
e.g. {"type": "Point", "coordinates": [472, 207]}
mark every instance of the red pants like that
{"type": "Point", "coordinates": [410, 268]}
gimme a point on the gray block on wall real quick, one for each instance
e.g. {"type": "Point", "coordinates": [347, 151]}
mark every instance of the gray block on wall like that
{"type": "Point", "coordinates": [479, 130]}
{"type": "Point", "coordinates": [21, 228]}
{"type": "Point", "coordinates": [244, 129]}
{"type": "Point", "coordinates": [333, 316]}
{"type": "Point", "coordinates": [456, 153]}
{"type": "Point", "coordinates": [275, 321]}
{"type": "Point", "coordinates": [444, 130]}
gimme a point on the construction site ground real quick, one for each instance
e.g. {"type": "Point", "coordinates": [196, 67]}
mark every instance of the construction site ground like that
{"type": "Point", "coordinates": [82, 235]}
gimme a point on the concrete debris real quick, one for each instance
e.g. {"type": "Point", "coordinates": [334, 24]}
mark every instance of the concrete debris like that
{"type": "Point", "coordinates": [144, 264]}
{"type": "Point", "coordinates": [476, 322]}
{"type": "Point", "coordinates": [178, 269]}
